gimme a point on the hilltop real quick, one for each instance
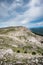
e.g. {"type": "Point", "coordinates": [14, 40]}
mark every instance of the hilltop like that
{"type": "Point", "coordinates": [19, 41]}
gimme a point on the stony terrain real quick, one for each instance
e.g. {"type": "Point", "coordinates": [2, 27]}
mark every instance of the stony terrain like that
{"type": "Point", "coordinates": [19, 46]}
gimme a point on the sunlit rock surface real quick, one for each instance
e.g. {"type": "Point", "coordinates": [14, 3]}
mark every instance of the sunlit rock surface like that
{"type": "Point", "coordinates": [19, 46]}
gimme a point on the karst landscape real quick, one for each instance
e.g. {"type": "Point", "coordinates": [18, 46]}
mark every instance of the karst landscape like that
{"type": "Point", "coordinates": [21, 32]}
{"type": "Point", "coordinates": [20, 46]}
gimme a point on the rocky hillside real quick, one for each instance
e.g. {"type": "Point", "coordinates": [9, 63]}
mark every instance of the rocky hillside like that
{"type": "Point", "coordinates": [18, 44]}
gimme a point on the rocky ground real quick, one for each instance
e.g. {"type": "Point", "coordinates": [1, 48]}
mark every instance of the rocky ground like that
{"type": "Point", "coordinates": [21, 59]}
{"type": "Point", "coordinates": [19, 46]}
{"type": "Point", "coordinates": [11, 58]}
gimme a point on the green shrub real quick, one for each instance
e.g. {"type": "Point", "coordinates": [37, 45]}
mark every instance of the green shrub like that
{"type": "Point", "coordinates": [25, 51]}
{"type": "Point", "coordinates": [33, 53]}
{"type": "Point", "coordinates": [42, 54]}
{"type": "Point", "coordinates": [18, 51]}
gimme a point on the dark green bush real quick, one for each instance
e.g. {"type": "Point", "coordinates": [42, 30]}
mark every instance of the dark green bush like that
{"type": "Point", "coordinates": [42, 54]}
{"type": "Point", "coordinates": [18, 51]}
{"type": "Point", "coordinates": [25, 51]}
{"type": "Point", "coordinates": [33, 53]}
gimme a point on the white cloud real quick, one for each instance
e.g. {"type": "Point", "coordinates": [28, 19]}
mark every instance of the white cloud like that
{"type": "Point", "coordinates": [40, 23]}
{"type": "Point", "coordinates": [25, 21]}
{"type": "Point", "coordinates": [34, 11]}
{"type": "Point", "coordinates": [5, 9]}
{"type": "Point", "coordinates": [36, 3]}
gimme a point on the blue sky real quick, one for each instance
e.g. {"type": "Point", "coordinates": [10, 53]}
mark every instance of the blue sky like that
{"type": "Point", "coordinates": [27, 13]}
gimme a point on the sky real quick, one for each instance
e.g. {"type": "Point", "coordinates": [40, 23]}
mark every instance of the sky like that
{"type": "Point", "coordinates": [28, 13]}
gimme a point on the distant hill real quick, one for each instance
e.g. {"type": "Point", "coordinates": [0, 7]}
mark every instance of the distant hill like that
{"type": "Point", "coordinates": [38, 31]}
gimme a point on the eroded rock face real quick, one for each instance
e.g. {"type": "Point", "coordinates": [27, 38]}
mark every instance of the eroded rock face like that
{"type": "Point", "coordinates": [5, 52]}
{"type": "Point", "coordinates": [8, 57]}
{"type": "Point", "coordinates": [26, 61]}
{"type": "Point", "coordinates": [29, 45]}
